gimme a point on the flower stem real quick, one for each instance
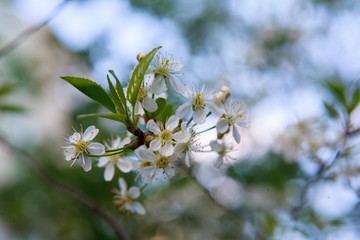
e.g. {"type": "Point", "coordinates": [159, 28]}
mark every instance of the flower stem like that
{"type": "Point", "coordinates": [143, 187]}
{"type": "Point", "coordinates": [207, 129]}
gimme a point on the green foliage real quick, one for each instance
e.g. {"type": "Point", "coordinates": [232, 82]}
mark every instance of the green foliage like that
{"type": "Point", "coordinates": [92, 90]}
{"type": "Point", "coordinates": [272, 170]}
{"type": "Point", "coordinates": [120, 91]}
{"type": "Point", "coordinates": [11, 108]}
{"type": "Point", "coordinates": [138, 76]}
{"type": "Point", "coordinates": [115, 98]}
{"type": "Point", "coordinates": [331, 110]}
{"type": "Point", "coordinates": [346, 95]}
{"type": "Point", "coordinates": [112, 116]}
{"type": "Point", "coordinates": [161, 103]}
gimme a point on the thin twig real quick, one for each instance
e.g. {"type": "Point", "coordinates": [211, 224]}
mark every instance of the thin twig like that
{"type": "Point", "coordinates": [73, 193]}
{"type": "Point", "coordinates": [16, 42]}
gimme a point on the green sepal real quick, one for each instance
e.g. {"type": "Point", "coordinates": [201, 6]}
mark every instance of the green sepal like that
{"type": "Point", "coordinates": [138, 76]}
{"type": "Point", "coordinates": [92, 90]}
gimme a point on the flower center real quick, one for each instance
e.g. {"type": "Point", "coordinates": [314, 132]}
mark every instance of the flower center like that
{"type": "Point", "coordinates": [145, 164]}
{"type": "Point", "coordinates": [165, 136]}
{"type": "Point", "coordinates": [163, 69]}
{"type": "Point", "coordinates": [230, 118]}
{"type": "Point", "coordinates": [142, 93]}
{"type": "Point", "coordinates": [114, 158]}
{"type": "Point", "coordinates": [162, 162]}
{"type": "Point", "coordinates": [198, 101]}
{"type": "Point", "coordinates": [80, 146]}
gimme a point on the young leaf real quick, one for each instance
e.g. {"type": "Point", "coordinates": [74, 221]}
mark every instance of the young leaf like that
{"type": "Point", "coordinates": [92, 90]}
{"type": "Point", "coordinates": [119, 90]}
{"type": "Point", "coordinates": [355, 99]}
{"type": "Point", "coordinates": [331, 110]}
{"type": "Point", "coordinates": [337, 89]}
{"type": "Point", "coordinates": [161, 103]}
{"type": "Point", "coordinates": [167, 112]}
{"type": "Point", "coordinates": [138, 76]}
{"type": "Point", "coordinates": [11, 108]}
{"type": "Point", "coordinates": [115, 97]}
{"type": "Point", "coordinates": [111, 116]}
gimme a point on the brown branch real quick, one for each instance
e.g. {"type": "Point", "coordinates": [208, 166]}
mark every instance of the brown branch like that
{"type": "Point", "coordinates": [16, 42]}
{"type": "Point", "coordinates": [73, 193]}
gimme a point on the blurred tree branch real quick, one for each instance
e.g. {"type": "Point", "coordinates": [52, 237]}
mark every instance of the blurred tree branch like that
{"type": "Point", "coordinates": [32, 163]}
{"type": "Point", "coordinates": [22, 37]}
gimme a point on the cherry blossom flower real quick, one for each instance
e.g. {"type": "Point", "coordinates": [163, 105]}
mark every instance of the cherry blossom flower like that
{"type": "Point", "coordinates": [125, 198]}
{"type": "Point", "coordinates": [125, 164]}
{"type": "Point", "coordinates": [234, 117]}
{"type": "Point", "coordinates": [144, 99]}
{"type": "Point", "coordinates": [198, 102]}
{"type": "Point", "coordinates": [223, 148]}
{"type": "Point", "coordinates": [153, 164]}
{"type": "Point", "coordinates": [80, 145]}
{"type": "Point", "coordinates": [189, 145]}
{"type": "Point", "coordinates": [166, 67]}
{"type": "Point", "coordinates": [165, 137]}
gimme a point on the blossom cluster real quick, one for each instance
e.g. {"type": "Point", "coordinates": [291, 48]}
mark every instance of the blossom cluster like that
{"type": "Point", "coordinates": [156, 145]}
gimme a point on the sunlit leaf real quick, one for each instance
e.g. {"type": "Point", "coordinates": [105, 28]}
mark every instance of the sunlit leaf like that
{"type": "Point", "coordinates": [138, 76]}
{"type": "Point", "coordinates": [115, 97]}
{"type": "Point", "coordinates": [92, 90]}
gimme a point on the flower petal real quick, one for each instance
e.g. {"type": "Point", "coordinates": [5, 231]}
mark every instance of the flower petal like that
{"type": "Point", "coordinates": [199, 116]}
{"type": "Point", "coordinates": [124, 164]}
{"type": "Point", "coordinates": [138, 108]}
{"type": "Point", "coordinates": [147, 174]}
{"type": "Point", "coordinates": [122, 184]}
{"type": "Point", "coordinates": [103, 161]}
{"type": "Point", "coordinates": [85, 162]}
{"type": "Point", "coordinates": [134, 192]}
{"type": "Point", "coordinates": [218, 162]}
{"type": "Point", "coordinates": [216, 108]}
{"type": "Point", "coordinates": [187, 162]}
{"type": "Point", "coordinates": [215, 146]}
{"type": "Point", "coordinates": [96, 148]}
{"type": "Point", "coordinates": [236, 134]}
{"type": "Point", "coordinates": [153, 127]}
{"type": "Point", "coordinates": [158, 85]}
{"type": "Point", "coordinates": [181, 136]}
{"type": "Point", "coordinates": [176, 84]}
{"type": "Point", "coordinates": [172, 123]}
{"type": "Point", "coordinates": [179, 148]}
{"type": "Point", "coordinates": [222, 125]}
{"type": "Point", "coordinates": [167, 150]}
{"type": "Point", "coordinates": [145, 154]}
{"type": "Point", "coordinates": [169, 171]}
{"type": "Point", "coordinates": [90, 133]}
{"type": "Point", "coordinates": [149, 104]}
{"type": "Point", "coordinates": [138, 208]}
{"type": "Point", "coordinates": [109, 172]}
{"type": "Point", "coordinates": [183, 110]}
{"type": "Point", "coordinates": [70, 153]}
{"type": "Point", "coordinates": [155, 144]}
{"type": "Point", "coordinates": [75, 138]}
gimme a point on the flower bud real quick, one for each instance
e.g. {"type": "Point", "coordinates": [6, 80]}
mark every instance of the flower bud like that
{"type": "Point", "coordinates": [140, 56]}
{"type": "Point", "coordinates": [223, 94]}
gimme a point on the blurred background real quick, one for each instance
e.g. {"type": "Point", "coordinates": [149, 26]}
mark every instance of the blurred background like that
{"type": "Point", "coordinates": [294, 63]}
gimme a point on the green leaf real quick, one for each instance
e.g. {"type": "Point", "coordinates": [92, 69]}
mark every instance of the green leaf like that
{"type": "Point", "coordinates": [111, 116]}
{"type": "Point", "coordinates": [355, 100]}
{"type": "Point", "coordinates": [115, 97]}
{"type": "Point", "coordinates": [331, 110]}
{"type": "Point", "coordinates": [120, 91]}
{"type": "Point", "coordinates": [138, 76]}
{"type": "Point", "coordinates": [161, 103]}
{"type": "Point", "coordinates": [12, 108]}
{"type": "Point", "coordinates": [92, 90]}
{"type": "Point", "coordinates": [167, 112]}
{"type": "Point", "coordinates": [338, 90]}
{"type": "Point", "coordinates": [5, 89]}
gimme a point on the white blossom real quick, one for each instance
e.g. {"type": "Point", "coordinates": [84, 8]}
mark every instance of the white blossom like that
{"type": "Point", "coordinates": [165, 137]}
{"type": "Point", "coordinates": [198, 102]}
{"type": "Point", "coordinates": [234, 117]}
{"type": "Point", "coordinates": [124, 164]}
{"type": "Point", "coordinates": [80, 145]}
{"type": "Point", "coordinates": [166, 67]}
{"type": "Point", "coordinates": [189, 145]}
{"type": "Point", "coordinates": [144, 99]}
{"type": "Point", "coordinates": [125, 198]}
{"type": "Point", "coordinates": [223, 148]}
{"type": "Point", "coordinates": [153, 164]}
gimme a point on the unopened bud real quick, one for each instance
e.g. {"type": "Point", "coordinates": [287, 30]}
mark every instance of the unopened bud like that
{"type": "Point", "coordinates": [140, 56]}
{"type": "Point", "coordinates": [223, 94]}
